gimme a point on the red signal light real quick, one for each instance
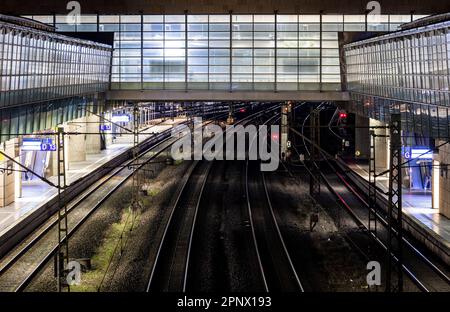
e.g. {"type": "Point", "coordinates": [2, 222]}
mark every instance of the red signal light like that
{"type": "Point", "coordinates": [242, 110]}
{"type": "Point", "coordinates": [343, 115]}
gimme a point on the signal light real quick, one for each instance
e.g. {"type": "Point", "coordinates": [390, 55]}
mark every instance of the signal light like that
{"type": "Point", "coordinates": [342, 115]}
{"type": "Point", "coordinates": [242, 110]}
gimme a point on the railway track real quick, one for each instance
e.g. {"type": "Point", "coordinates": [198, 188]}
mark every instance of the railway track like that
{"type": "Point", "coordinates": [172, 259]}
{"type": "Point", "coordinates": [424, 272]}
{"type": "Point", "coordinates": [20, 266]}
{"type": "Point", "coordinates": [275, 262]}
{"type": "Point", "coordinates": [170, 267]}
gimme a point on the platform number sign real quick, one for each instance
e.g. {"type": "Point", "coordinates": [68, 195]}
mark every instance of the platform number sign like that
{"type": "Point", "coordinates": [38, 144]}
{"type": "Point", "coordinates": [105, 127]}
{"type": "Point", "coordinates": [47, 145]}
{"type": "Point", "coordinates": [406, 152]}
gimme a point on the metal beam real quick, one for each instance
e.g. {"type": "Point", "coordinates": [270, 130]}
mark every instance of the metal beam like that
{"type": "Point", "coordinates": [255, 96]}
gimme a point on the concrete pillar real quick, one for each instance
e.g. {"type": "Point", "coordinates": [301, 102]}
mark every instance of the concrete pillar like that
{"type": "Point", "coordinates": [18, 172]}
{"type": "Point", "coordinates": [435, 185]}
{"type": "Point", "coordinates": [7, 174]}
{"type": "Point", "coordinates": [381, 146]}
{"type": "Point", "coordinates": [286, 110]}
{"type": "Point", "coordinates": [362, 137]}
{"type": "Point", "coordinates": [108, 135]}
{"type": "Point", "coordinates": [443, 190]}
{"type": "Point", "coordinates": [93, 143]}
{"type": "Point", "coordinates": [76, 143]}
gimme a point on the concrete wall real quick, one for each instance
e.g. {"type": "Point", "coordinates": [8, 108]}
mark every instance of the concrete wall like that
{"type": "Point", "coordinates": [444, 179]}
{"type": "Point", "coordinates": [362, 137]}
{"type": "Point", "coordinates": [381, 146]}
{"type": "Point", "coordinates": [76, 143]}
{"type": "Point", "coordinates": [7, 177]}
{"type": "Point", "coordinates": [92, 141]}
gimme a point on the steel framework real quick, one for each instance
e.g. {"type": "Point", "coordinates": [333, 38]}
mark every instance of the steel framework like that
{"type": "Point", "coordinates": [395, 214]}
{"type": "Point", "coordinates": [372, 187]}
{"type": "Point", "coordinates": [314, 177]}
{"type": "Point", "coordinates": [62, 255]}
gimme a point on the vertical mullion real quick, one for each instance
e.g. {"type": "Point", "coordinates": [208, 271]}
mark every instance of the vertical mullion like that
{"type": "Point", "coordinates": [11, 64]}
{"type": "Point", "coordinates": [142, 51]}
{"type": "Point", "coordinates": [298, 53]}
{"type": "Point", "coordinates": [253, 52]}
{"type": "Point", "coordinates": [231, 52]}
{"type": "Point", "coordinates": [276, 53]}
{"type": "Point", "coordinates": [2, 58]}
{"type": "Point", "coordinates": [164, 52]}
{"type": "Point", "coordinates": [209, 51]}
{"type": "Point", "coordinates": [320, 52]}
{"type": "Point", "coordinates": [186, 60]}
{"type": "Point", "coordinates": [441, 64]}
{"type": "Point", "coordinates": [19, 74]}
{"type": "Point", "coordinates": [447, 60]}
{"type": "Point", "coordinates": [47, 63]}
{"type": "Point", "coordinates": [365, 18]}
{"type": "Point", "coordinates": [430, 63]}
{"type": "Point", "coordinates": [120, 54]}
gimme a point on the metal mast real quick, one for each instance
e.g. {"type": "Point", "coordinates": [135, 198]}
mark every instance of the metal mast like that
{"type": "Point", "coordinates": [62, 255]}
{"type": "Point", "coordinates": [395, 228]}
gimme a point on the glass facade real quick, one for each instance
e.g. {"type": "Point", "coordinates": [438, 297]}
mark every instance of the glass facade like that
{"type": "Point", "coordinates": [408, 72]}
{"type": "Point", "coordinates": [38, 66]}
{"type": "Point", "coordinates": [44, 116]}
{"type": "Point", "coordinates": [227, 52]}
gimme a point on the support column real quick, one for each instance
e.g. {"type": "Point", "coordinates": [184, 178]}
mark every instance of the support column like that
{"type": "Point", "coordinates": [286, 111]}
{"type": "Point", "coordinates": [362, 137]}
{"type": "Point", "coordinates": [7, 174]}
{"type": "Point", "coordinates": [444, 181]}
{"type": "Point", "coordinates": [93, 144]}
{"type": "Point", "coordinates": [230, 119]}
{"type": "Point", "coordinates": [76, 143]}
{"type": "Point", "coordinates": [18, 172]}
{"type": "Point", "coordinates": [108, 135]}
{"type": "Point", "coordinates": [381, 146]}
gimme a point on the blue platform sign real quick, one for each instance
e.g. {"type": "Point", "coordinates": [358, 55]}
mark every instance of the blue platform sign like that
{"type": "Point", "coordinates": [105, 127]}
{"type": "Point", "coordinates": [417, 153]}
{"type": "Point", "coordinates": [120, 118]}
{"type": "Point", "coordinates": [406, 152]}
{"type": "Point", "coordinates": [423, 153]}
{"type": "Point", "coordinates": [38, 144]}
{"type": "Point", "coordinates": [48, 145]}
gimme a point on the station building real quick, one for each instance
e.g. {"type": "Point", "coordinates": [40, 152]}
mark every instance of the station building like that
{"type": "Point", "coordinates": [370, 58]}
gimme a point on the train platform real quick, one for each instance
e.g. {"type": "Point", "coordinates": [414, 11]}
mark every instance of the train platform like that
{"type": "Point", "coordinates": [417, 206]}
{"type": "Point", "coordinates": [36, 193]}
